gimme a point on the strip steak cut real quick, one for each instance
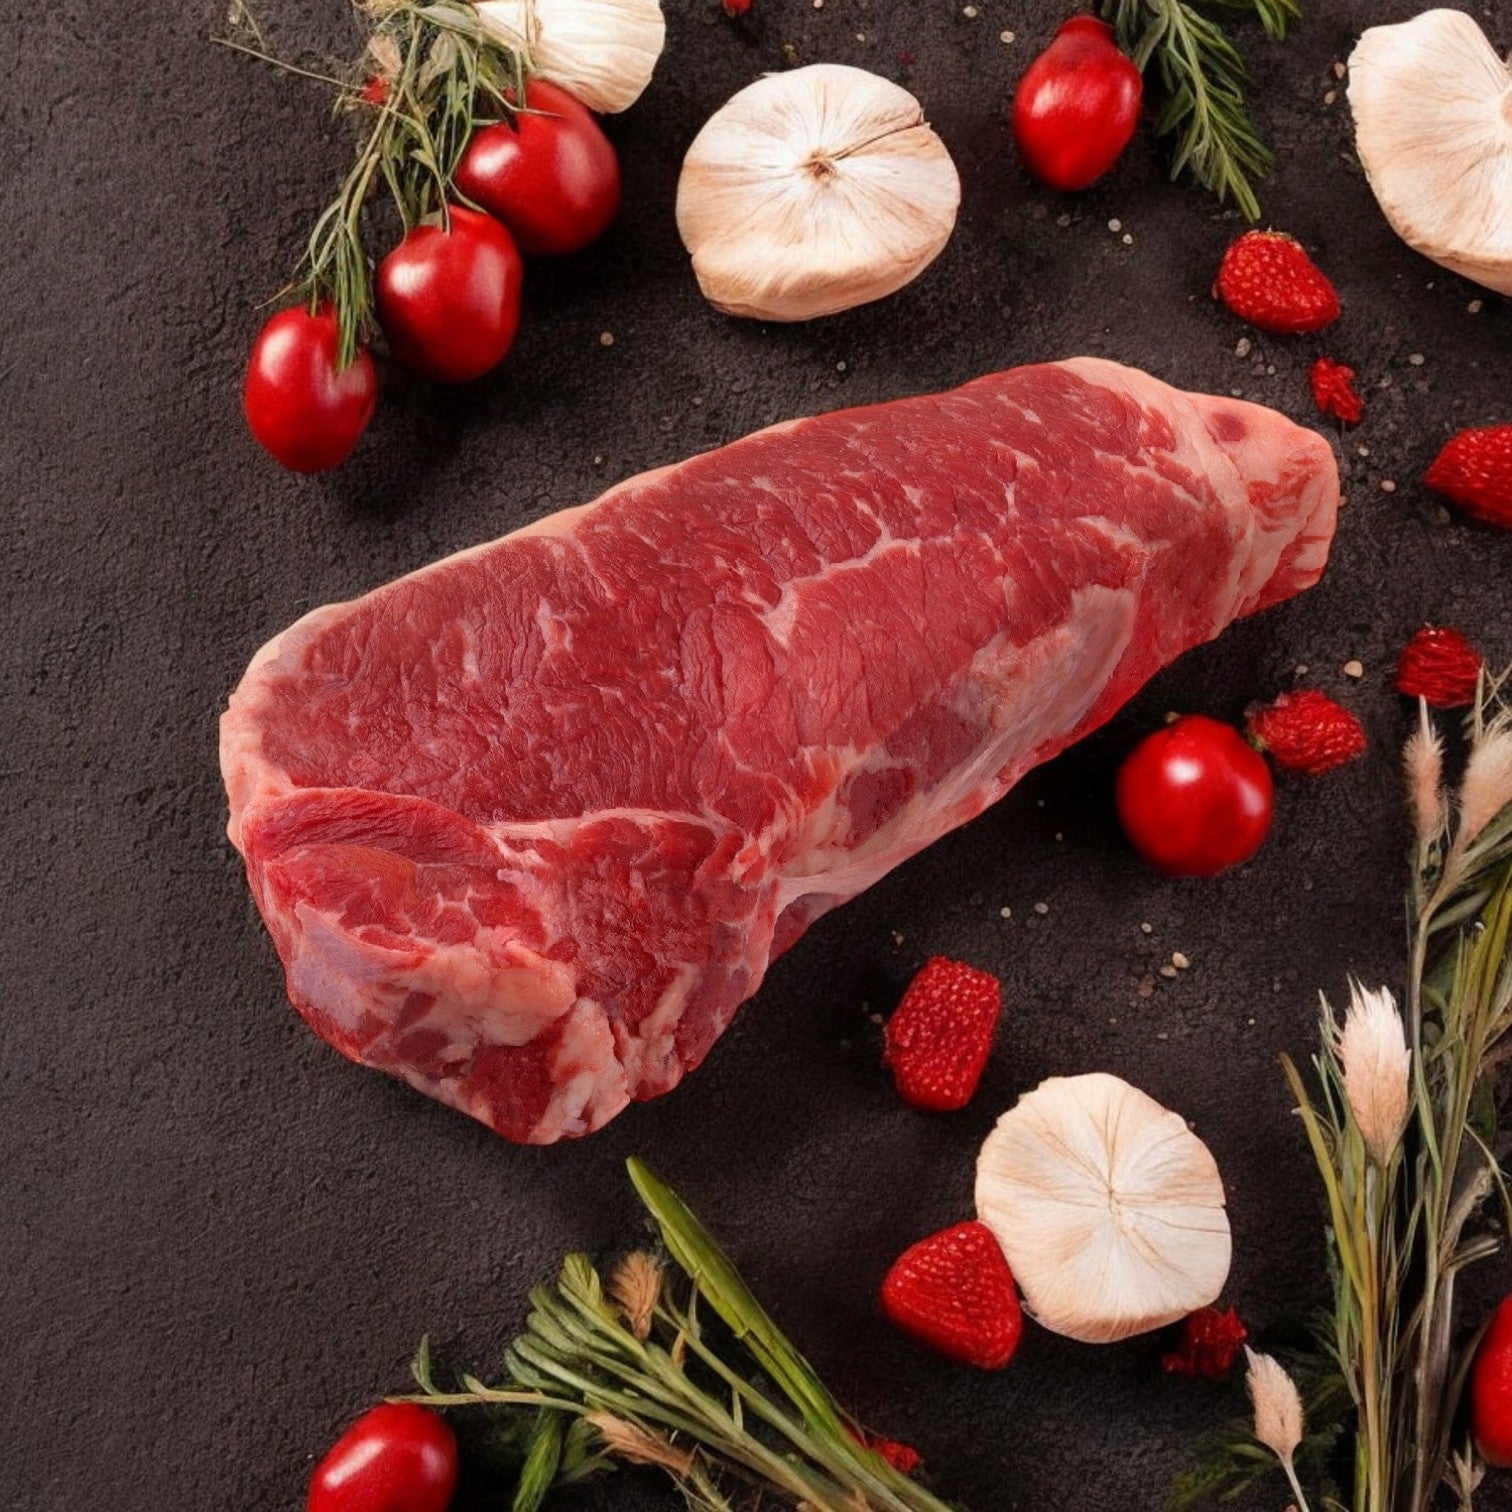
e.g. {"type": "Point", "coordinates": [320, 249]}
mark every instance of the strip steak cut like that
{"type": "Point", "coordinates": [527, 826]}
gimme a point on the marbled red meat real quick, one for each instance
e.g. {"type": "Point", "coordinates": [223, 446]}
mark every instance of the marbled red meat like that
{"type": "Point", "coordinates": [528, 825]}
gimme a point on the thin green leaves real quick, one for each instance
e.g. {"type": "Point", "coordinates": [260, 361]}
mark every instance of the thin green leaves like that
{"type": "Point", "coordinates": [1201, 78]}
{"type": "Point", "coordinates": [543, 1459]}
{"type": "Point", "coordinates": [692, 1246]}
{"type": "Point", "coordinates": [629, 1375]}
{"type": "Point", "coordinates": [437, 69]}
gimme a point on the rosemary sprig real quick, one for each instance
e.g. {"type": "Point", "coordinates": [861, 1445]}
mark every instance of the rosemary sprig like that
{"type": "Point", "coordinates": [1402, 1124]}
{"type": "Point", "coordinates": [429, 74]}
{"type": "Point", "coordinates": [1201, 78]}
{"type": "Point", "coordinates": [633, 1373]}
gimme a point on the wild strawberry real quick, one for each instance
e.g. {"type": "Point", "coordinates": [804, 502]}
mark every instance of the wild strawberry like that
{"type": "Point", "coordinates": [904, 1458]}
{"type": "Point", "coordinates": [374, 91]}
{"type": "Point", "coordinates": [1475, 470]}
{"type": "Point", "coordinates": [1306, 731]}
{"type": "Point", "coordinates": [1440, 665]}
{"type": "Point", "coordinates": [1268, 279]}
{"type": "Point", "coordinates": [940, 1036]}
{"type": "Point", "coordinates": [1210, 1343]}
{"type": "Point", "coordinates": [1334, 391]}
{"type": "Point", "coordinates": [736, 7]}
{"type": "Point", "coordinates": [955, 1293]}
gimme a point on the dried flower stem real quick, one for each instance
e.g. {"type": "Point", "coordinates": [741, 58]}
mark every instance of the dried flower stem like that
{"type": "Point", "coordinates": [1405, 1204]}
{"type": "Point", "coordinates": [1401, 1121]}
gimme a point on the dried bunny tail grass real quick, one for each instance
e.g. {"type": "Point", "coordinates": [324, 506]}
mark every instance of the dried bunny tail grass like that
{"type": "Point", "coordinates": [1487, 788]}
{"type": "Point", "coordinates": [1423, 758]}
{"type": "Point", "coordinates": [1372, 1049]}
{"type": "Point", "coordinates": [1278, 1406]}
{"type": "Point", "coordinates": [636, 1286]}
{"type": "Point", "coordinates": [640, 1446]}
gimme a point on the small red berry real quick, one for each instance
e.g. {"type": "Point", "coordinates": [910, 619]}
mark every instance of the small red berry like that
{"type": "Point", "coordinates": [374, 91]}
{"type": "Point", "coordinates": [904, 1458]}
{"type": "Point", "coordinates": [736, 7]}
{"type": "Point", "coordinates": [1306, 731]}
{"type": "Point", "coordinates": [955, 1293]}
{"type": "Point", "coordinates": [1475, 470]}
{"type": "Point", "coordinates": [1440, 665]}
{"type": "Point", "coordinates": [940, 1035]}
{"type": "Point", "coordinates": [1210, 1343]}
{"type": "Point", "coordinates": [1334, 392]}
{"type": "Point", "coordinates": [1268, 279]}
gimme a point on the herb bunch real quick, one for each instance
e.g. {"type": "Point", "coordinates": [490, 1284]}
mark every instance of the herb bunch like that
{"type": "Point", "coordinates": [631, 1371]}
{"type": "Point", "coordinates": [1401, 1118]}
{"type": "Point", "coordinates": [1201, 78]}
{"type": "Point", "coordinates": [429, 73]}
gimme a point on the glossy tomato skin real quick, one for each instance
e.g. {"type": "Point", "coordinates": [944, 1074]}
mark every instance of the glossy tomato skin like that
{"type": "Point", "coordinates": [1077, 106]}
{"type": "Point", "coordinates": [397, 1457]}
{"type": "Point", "coordinates": [301, 408]}
{"type": "Point", "coordinates": [1491, 1390]}
{"type": "Point", "coordinates": [1195, 798]}
{"type": "Point", "coordinates": [551, 177]}
{"type": "Point", "coordinates": [449, 297]}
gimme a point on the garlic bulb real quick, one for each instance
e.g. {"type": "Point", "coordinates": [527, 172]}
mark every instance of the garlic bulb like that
{"type": "Point", "coordinates": [1432, 104]}
{"type": "Point", "coordinates": [602, 51]}
{"type": "Point", "coordinates": [1109, 1209]}
{"type": "Point", "coordinates": [812, 191]}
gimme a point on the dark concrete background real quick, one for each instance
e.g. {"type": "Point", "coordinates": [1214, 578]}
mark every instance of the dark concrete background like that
{"type": "Point", "coordinates": [217, 1240]}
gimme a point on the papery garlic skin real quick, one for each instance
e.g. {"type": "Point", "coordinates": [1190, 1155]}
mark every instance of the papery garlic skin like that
{"type": "Point", "coordinates": [602, 51]}
{"type": "Point", "coordinates": [813, 191]}
{"type": "Point", "coordinates": [1432, 103]}
{"type": "Point", "coordinates": [1109, 1209]}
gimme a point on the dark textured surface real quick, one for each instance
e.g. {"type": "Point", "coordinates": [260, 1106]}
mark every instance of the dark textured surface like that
{"type": "Point", "coordinates": [217, 1240]}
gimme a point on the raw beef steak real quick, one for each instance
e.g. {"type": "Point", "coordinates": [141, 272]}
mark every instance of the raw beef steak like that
{"type": "Point", "coordinates": [528, 825]}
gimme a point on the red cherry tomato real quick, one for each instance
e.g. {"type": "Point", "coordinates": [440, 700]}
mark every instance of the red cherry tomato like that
{"type": "Point", "coordinates": [301, 407]}
{"type": "Point", "coordinates": [395, 1458]}
{"type": "Point", "coordinates": [449, 299]}
{"type": "Point", "coordinates": [552, 178]}
{"type": "Point", "coordinates": [1077, 105]}
{"type": "Point", "coordinates": [1491, 1390]}
{"type": "Point", "coordinates": [1195, 798]}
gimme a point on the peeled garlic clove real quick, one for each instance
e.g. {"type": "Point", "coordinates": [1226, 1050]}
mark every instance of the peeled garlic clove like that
{"type": "Point", "coordinates": [1432, 104]}
{"type": "Point", "coordinates": [1109, 1209]}
{"type": "Point", "coordinates": [812, 191]}
{"type": "Point", "coordinates": [602, 51]}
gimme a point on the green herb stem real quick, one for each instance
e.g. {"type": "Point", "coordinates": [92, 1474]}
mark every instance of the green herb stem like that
{"type": "Point", "coordinates": [1200, 80]}
{"type": "Point", "coordinates": [444, 73]}
{"type": "Point", "coordinates": [664, 1393]}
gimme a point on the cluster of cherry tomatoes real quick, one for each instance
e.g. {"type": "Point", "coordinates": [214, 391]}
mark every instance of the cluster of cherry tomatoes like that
{"type": "Point", "coordinates": [544, 182]}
